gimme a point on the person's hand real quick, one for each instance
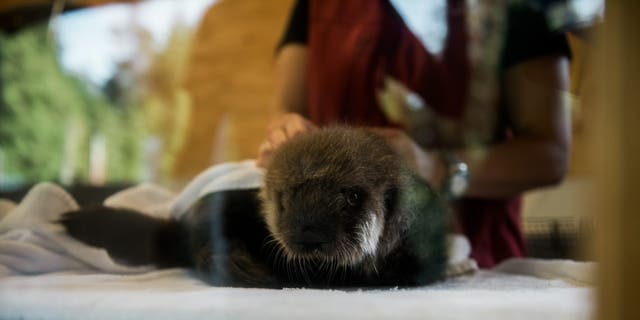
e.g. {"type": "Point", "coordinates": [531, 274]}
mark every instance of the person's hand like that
{"type": "Point", "coordinates": [428, 164]}
{"type": "Point", "coordinates": [279, 131]}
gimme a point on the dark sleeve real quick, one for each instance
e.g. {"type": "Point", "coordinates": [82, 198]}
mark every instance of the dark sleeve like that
{"type": "Point", "coordinates": [298, 28]}
{"type": "Point", "coordinates": [528, 36]}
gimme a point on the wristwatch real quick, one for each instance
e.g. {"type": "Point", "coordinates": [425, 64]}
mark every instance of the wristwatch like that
{"type": "Point", "coordinates": [457, 180]}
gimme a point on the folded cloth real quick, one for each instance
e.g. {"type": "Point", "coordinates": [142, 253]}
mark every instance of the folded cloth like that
{"type": "Point", "coordinates": [32, 242]}
{"type": "Point", "coordinates": [6, 205]}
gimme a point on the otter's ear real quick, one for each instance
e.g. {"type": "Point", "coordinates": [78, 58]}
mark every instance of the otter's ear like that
{"type": "Point", "coordinates": [391, 200]}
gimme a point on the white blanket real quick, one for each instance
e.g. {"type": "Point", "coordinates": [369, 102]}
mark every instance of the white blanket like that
{"type": "Point", "coordinates": [32, 242]}
{"type": "Point", "coordinates": [174, 294]}
{"type": "Point", "coordinates": [67, 279]}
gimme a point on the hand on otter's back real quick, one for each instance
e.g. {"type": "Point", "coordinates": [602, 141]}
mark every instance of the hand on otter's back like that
{"type": "Point", "coordinates": [279, 131]}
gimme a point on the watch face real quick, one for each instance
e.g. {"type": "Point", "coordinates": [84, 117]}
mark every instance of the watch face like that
{"type": "Point", "coordinates": [458, 185]}
{"type": "Point", "coordinates": [458, 177]}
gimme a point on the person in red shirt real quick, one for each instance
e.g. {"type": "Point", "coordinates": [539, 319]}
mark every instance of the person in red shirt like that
{"type": "Point", "coordinates": [334, 59]}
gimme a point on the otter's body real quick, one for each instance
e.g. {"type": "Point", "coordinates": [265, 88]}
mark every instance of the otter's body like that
{"type": "Point", "coordinates": [338, 208]}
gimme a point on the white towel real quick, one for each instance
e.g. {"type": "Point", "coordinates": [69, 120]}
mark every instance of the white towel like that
{"type": "Point", "coordinates": [173, 294]}
{"type": "Point", "coordinates": [31, 241]}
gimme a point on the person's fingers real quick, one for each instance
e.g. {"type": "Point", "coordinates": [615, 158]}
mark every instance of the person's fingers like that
{"type": "Point", "coordinates": [274, 140]}
{"type": "Point", "coordinates": [264, 154]}
{"type": "Point", "coordinates": [295, 128]}
{"type": "Point", "coordinates": [279, 131]}
{"type": "Point", "coordinates": [294, 124]}
{"type": "Point", "coordinates": [291, 129]}
{"type": "Point", "coordinates": [265, 146]}
{"type": "Point", "coordinates": [277, 137]}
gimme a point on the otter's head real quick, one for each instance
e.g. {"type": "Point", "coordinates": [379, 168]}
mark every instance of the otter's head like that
{"type": "Point", "coordinates": [332, 195]}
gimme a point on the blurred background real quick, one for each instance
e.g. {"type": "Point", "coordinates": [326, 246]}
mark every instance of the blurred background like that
{"type": "Point", "coordinates": [99, 95]}
{"type": "Point", "coordinates": [112, 92]}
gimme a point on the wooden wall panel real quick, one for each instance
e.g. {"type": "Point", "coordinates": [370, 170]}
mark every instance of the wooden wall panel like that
{"type": "Point", "coordinates": [230, 82]}
{"type": "Point", "coordinates": [617, 152]}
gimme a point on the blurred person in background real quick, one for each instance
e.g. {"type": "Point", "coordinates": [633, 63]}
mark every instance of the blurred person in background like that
{"type": "Point", "coordinates": [336, 57]}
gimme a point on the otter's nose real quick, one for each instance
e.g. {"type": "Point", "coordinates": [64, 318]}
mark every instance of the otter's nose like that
{"type": "Point", "coordinates": [311, 237]}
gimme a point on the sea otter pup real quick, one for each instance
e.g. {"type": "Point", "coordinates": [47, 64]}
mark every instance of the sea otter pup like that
{"type": "Point", "coordinates": [338, 208]}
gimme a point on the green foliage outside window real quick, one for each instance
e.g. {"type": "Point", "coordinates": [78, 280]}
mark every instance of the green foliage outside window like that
{"type": "Point", "coordinates": [48, 117]}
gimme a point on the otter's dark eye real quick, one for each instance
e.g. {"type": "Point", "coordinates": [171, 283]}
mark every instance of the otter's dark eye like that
{"type": "Point", "coordinates": [354, 197]}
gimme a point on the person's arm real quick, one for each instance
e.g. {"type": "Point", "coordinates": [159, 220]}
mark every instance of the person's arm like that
{"type": "Point", "coordinates": [291, 79]}
{"type": "Point", "coordinates": [290, 97]}
{"type": "Point", "coordinates": [291, 62]}
{"type": "Point", "coordinates": [538, 154]}
{"type": "Point", "coordinates": [535, 83]}
{"type": "Point", "coordinates": [538, 110]}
